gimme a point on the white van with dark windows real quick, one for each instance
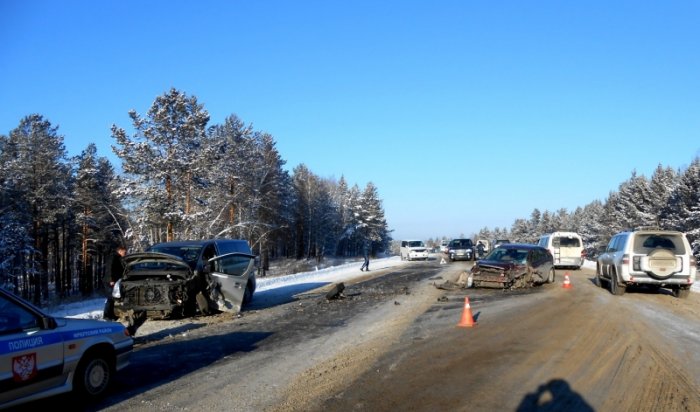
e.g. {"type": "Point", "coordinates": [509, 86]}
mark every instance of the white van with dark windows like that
{"type": "Point", "coordinates": [565, 247]}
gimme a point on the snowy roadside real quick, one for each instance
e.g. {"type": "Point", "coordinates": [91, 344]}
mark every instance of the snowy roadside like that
{"type": "Point", "coordinates": [333, 274]}
{"type": "Point", "coordinates": [92, 309]}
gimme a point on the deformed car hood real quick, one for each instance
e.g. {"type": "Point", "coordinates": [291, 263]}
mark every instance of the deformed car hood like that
{"type": "Point", "coordinates": [137, 264]}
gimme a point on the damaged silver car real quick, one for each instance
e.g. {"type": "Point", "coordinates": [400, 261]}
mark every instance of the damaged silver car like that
{"type": "Point", "coordinates": [177, 279]}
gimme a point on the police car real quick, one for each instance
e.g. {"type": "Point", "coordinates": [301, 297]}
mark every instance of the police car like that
{"type": "Point", "coordinates": [42, 356]}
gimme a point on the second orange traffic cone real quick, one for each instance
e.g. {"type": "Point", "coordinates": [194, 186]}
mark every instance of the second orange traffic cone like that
{"type": "Point", "coordinates": [567, 282]}
{"type": "Point", "coordinates": [467, 318]}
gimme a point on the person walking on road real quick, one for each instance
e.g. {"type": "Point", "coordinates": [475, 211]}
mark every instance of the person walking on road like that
{"type": "Point", "coordinates": [365, 253]}
{"type": "Point", "coordinates": [114, 272]}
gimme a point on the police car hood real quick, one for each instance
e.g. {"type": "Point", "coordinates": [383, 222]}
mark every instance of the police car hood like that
{"type": "Point", "coordinates": [88, 327]}
{"type": "Point", "coordinates": [155, 264]}
{"type": "Point", "coordinates": [90, 331]}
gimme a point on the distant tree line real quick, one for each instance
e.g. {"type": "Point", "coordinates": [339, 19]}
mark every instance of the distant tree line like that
{"type": "Point", "coordinates": [669, 199]}
{"type": "Point", "coordinates": [181, 179]}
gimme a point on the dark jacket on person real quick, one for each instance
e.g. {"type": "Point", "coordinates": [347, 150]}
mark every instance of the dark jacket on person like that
{"type": "Point", "coordinates": [115, 268]}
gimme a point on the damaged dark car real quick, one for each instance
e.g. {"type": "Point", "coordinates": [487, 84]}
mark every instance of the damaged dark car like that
{"type": "Point", "coordinates": [513, 265]}
{"type": "Point", "coordinates": [179, 279]}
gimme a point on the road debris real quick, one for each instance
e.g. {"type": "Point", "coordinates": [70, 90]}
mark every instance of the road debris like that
{"type": "Point", "coordinates": [461, 283]}
{"type": "Point", "coordinates": [336, 291]}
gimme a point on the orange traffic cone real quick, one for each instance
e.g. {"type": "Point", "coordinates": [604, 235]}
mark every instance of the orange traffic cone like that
{"type": "Point", "coordinates": [567, 282]}
{"type": "Point", "coordinates": [467, 319]}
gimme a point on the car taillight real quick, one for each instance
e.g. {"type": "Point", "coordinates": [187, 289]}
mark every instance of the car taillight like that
{"type": "Point", "coordinates": [625, 259]}
{"type": "Point", "coordinates": [693, 262]}
{"type": "Point", "coordinates": [636, 263]}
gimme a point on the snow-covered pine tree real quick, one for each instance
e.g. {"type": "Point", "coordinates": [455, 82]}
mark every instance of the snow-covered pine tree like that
{"type": "Point", "coordinates": [36, 179]}
{"type": "Point", "coordinates": [166, 166]}
{"type": "Point", "coordinates": [683, 208]}
{"type": "Point", "coordinates": [371, 218]}
{"type": "Point", "coordinates": [589, 224]}
{"type": "Point", "coordinates": [662, 184]}
{"type": "Point", "coordinates": [98, 216]}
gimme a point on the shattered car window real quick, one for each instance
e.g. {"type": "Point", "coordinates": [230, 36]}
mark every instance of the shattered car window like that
{"type": "Point", "coordinates": [189, 254]}
{"type": "Point", "coordinates": [508, 255]}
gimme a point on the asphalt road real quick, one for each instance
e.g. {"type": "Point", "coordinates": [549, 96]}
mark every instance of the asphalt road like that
{"type": "Point", "coordinates": [392, 343]}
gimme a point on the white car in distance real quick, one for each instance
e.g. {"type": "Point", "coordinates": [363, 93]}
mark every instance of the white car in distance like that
{"type": "Point", "coordinates": [413, 250]}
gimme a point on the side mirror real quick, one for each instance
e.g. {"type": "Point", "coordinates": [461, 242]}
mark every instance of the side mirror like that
{"type": "Point", "coordinates": [49, 322]}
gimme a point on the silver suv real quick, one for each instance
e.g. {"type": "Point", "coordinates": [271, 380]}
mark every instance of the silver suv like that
{"type": "Point", "coordinates": [648, 257]}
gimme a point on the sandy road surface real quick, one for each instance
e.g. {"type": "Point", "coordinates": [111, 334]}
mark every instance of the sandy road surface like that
{"type": "Point", "coordinates": [577, 349]}
{"type": "Point", "coordinates": [393, 344]}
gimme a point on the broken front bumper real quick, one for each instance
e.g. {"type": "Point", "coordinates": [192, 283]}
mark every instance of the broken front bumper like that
{"type": "Point", "coordinates": [483, 280]}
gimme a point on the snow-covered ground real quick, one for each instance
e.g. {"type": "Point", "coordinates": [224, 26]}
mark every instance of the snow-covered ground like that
{"type": "Point", "coordinates": [268, 285]}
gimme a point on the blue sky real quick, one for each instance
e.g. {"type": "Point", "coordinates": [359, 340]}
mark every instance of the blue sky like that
{"type": "Point", "coordinates": [464, 114]}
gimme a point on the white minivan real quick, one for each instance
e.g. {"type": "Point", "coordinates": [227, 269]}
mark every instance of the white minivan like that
{"type": "Point", "coordinates": [413, 249]}
{"type": "Point", "coordinates": [565, 247]}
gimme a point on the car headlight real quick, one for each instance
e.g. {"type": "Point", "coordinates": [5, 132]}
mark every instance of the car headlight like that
{"type": "Point", "coordinates": [116, 290]}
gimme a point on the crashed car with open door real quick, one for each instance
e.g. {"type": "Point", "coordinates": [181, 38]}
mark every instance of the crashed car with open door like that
{"type": "Point", "coordinates": [513, 265]}
{"type": "Point", "coordinates": [160, 286]}
{"type": "Point", "coordinates": [227, 278]}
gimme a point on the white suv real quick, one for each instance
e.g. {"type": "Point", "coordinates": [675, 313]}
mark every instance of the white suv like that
{"type": "Point", "coordinates": [650, 257]}
{"type": "Point", "coordinates": [413, 249]}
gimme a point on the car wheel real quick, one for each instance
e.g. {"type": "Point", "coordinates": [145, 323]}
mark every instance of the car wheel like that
{"type": "Point", "coordinates": [599, 277]}
{"type": "Point", "coordinates": [552, 274]}
{"type": "Point", "coordinates": [203, 303]}
{"type": "Point", "coordinates": [681, 293]}
{"type": "Point", "coordinates": [134, 321]}
{"type": "Point", "coordinates": [615, 288]}
{"type": "Point", "coordinates": [93, 375]}
{"type": "Point", "coordinates": [248, 295]}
